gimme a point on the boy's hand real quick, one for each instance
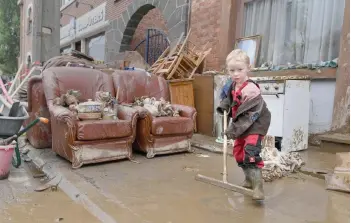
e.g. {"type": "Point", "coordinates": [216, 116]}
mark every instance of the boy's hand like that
{"type": "Point", "coordinates": [223, 106]}
{"type": "Point", "coordinates": [229, 132]}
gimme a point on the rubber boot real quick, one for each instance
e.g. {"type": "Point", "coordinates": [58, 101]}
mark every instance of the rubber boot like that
{"type": "Point", "coordinates": [247, 182]}
{"type": "Point", "coordinates": [257, 183]}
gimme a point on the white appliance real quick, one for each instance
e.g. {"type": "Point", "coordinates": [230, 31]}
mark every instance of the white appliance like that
{"type": "Point", "coordinates": [289, 104]}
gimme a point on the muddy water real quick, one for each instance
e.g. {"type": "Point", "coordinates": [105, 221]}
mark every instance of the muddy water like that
{"type": "Point", "coordinates": [19, 203]}
{"type": "Point", "coordinates": [163, 190]}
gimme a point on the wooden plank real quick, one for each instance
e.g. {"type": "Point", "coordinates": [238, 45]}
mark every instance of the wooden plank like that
{"type": "Point", "coordinates": [204, 103]}
{"type": "Point", "coordinates": [174, 67]}
{"type": "Point", "coordinates": [221, 184]}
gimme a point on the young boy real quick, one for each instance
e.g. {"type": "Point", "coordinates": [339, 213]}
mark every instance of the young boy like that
{"type": "Point", "coordinates": [251, 119]}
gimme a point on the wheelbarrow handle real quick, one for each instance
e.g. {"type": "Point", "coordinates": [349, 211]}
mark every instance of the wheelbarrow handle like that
{"type": "Point", "coordinates": [33, 123]}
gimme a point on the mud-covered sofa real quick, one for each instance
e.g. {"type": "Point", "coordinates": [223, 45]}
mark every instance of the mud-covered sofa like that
{"type": "Point", "coordinates": [155, 135]}
{"type": "Point", "coordinates": [39, 136]}
{"type": "Point", "coordinates": [84, 142]}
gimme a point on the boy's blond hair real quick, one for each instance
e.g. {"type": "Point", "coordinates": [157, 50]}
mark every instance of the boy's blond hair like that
{"type": "Point", "coordinates": [238, 55]}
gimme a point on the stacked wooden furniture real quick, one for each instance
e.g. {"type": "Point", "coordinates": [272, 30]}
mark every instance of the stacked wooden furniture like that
{"type": "Point", "coordinates": [181, 62]}
{"type": "Point", "coordinates": [178, 65]}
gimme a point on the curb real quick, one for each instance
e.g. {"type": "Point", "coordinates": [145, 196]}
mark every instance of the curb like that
{"type": "Point", "coordinates": [68, 188]}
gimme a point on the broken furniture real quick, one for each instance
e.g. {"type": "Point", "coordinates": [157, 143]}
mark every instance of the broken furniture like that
{"type": "Point", "coordinates": [155, 135]}
{"type": "Point", "coordinates": [40, 135]}
{"type": "Point", "coordinates": [181, 62]}
{"type": "Point", "coordinates": [92, 141]}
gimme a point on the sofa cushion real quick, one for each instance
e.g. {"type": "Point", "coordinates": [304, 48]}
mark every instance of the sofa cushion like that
{"type": "Point", "coordinates": [172, 126]}
{"type": "Point", "coordinates": [103, 129]}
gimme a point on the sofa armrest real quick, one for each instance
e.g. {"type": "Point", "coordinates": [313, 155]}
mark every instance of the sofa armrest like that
{"type": "Point", "coordinates": [32, 81]}
{"type": "Point", "coordinates": [62, 114]}
{"type": "Point", "coordinates": [142, 112]}
{"type": "Point", "coordinates": [185, 111]}
{"type": "Point", "coordinates": [127, 113]}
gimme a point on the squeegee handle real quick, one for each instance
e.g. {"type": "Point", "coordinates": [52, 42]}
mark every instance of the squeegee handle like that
{"type": "Point", "coordinates": [225, 147]}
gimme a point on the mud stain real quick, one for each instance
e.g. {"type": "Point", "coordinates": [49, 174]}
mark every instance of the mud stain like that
{"type": "Point", "coordinates": [164, 190]}
{"type": "Point", "coordinates": [45, 207]}
{"type": "Point", "coordinates": [19, 203]}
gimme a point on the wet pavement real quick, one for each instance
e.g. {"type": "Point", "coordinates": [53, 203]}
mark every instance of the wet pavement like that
{"type": "Point", "coordinates": [163, 190]}
{"type": "Point", "coordinates": [19, 203]}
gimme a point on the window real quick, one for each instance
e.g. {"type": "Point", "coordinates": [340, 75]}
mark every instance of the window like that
{"type": "Point", "coordinates": [96, 47]}
{"type": "Point", "coordinates": [294, 31]}
{"type": "Point", "coordinates": [29, 20]}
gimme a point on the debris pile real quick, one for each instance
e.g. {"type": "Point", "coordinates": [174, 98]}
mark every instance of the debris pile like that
{"type": "Point", "coordinates": [278, 164]}
{"type": "Point", "coordinates": [130, 59]}
{"type": "Point", "coordinates": [73, 58]}
{"type": "Point", "coordinates": [159, 108]}
{"type": "Point", "coordinates": [181, 62]}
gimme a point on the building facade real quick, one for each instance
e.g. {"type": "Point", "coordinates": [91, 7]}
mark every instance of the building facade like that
{"type": "Point", "coordinates": [39, 31]}
{"type": "Point", "coordinates": [102, 29]}
{"type": "Point", "coordinates": [292, 31]}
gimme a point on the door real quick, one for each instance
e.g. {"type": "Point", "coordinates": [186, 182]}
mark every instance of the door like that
{"type": "Point", "coordinates": [275, 104]}
{"type": "Point", "coordinates": [153, 45]}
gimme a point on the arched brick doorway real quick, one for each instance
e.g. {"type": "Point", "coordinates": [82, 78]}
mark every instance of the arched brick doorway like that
{"type": "Point", "coordinates": [120, 34]}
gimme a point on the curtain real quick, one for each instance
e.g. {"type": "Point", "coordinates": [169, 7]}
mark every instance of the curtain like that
{"type": "Point", "coordinates": [295, 31]}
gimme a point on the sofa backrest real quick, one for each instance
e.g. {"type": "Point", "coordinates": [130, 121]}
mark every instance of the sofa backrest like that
{"type": "Point", "coordinates": [58, 80]}
{"type": "Point", "coordinates": [133, 84]}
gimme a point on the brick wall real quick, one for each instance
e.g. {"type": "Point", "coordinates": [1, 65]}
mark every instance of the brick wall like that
{"type": "Point", "coordinates": [205, 23]}
{"type": "Point", "coordinates": [205, 26]}
{"type": "Point", "coordinates": [153, 19]}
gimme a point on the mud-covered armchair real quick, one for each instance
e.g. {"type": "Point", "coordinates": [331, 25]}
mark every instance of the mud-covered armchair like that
{"type": "Point", "coordinates": [155, 135]}
{"type": "Point", "coordinates": [39, 136]}
{"type": "Point", "coordinates": [90, 141]}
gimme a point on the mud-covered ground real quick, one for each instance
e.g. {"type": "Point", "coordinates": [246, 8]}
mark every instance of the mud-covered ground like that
{"type": "Point", "coordinates": [20, 203]}
{"type": "Point", "coordinates": [163, 190]}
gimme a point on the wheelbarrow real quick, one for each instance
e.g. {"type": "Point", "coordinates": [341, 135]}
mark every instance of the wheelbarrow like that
{"type": "Point", "coordinates": [10, 145]}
